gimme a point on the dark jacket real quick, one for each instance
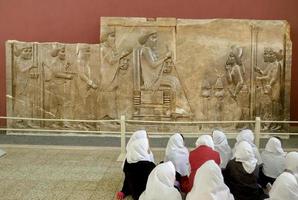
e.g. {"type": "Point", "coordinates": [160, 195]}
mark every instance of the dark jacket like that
{"type": "Point", "coordinates": [243, 186]}
{"type": "Point", "coordinates": [136, 175]}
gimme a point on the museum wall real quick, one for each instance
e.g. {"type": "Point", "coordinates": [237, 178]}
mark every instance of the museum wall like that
{"type": "Point", "coordinates": [69, 21]}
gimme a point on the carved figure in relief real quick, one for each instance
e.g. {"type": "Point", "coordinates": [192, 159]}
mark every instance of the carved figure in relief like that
{"type": "Point", "coordinates": [219, 94]}
{"type": "Point", "coordinates": [59, 87]}
{"type": "Point", "coordinates": [206, 93]}
{"type": "Point", "coordinates": [235, 71]}
{"type": "Point", "coordinates": [25, 75]}
{"type": "Point", "coordinates": [270, 81]}
{"type": "Point", "coordinates": [111, 61]}
{"type": "Point", "coordinates": [85, 85]}
{"type": "Point", "coordinates": [155, 70]}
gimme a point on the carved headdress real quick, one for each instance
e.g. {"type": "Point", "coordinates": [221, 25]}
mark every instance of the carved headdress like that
{"type": "Point", "coordinates": [82, 46]}
{"type": "Point", "coordinates": [18, 49]}
{"type": "Point", "coordinates": [106, 32]}
{"type": "Point", "coordinates": [237, 52]}
{"type": "Point", "coordinates": [143, 39]}
{"type": "Point", "coordinates": [278, 52]}
{"type": "Point", "coordinates": [56, 48]}
{"type": "Point", "coordinates": [268, 49]}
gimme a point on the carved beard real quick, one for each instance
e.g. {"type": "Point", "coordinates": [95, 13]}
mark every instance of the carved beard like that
{"type": "Point", "coordinates": [231, 63]}
{"type": "Point", "coordinates": [110, 45]}
{"type": "Point", "coordinates": [24, 63]}
{"type": "Point", "coordinates": [154, 53]}
{"type": "Point", "coordinates": [61, 58]}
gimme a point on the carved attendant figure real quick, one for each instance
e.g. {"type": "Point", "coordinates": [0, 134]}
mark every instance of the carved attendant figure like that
{"type": "Point", "coordinates": [270, 79]}
{"type": "Point", "coordinates": [235, 75]}
{"type": "Point", "coordinates": [111, 61]}
{"type": "Point", "coordinates": [85, 85]}
{"type": "Point", "coordinates": [24, 89]}
{"type": "Point", "coordinates": [235, 71]}
{"type": "Point", "coordinates": [219, 94]}
{"type": "Point", "coordinates": [206, 93]}
{"type": "Point", "coordinates": [60, 75]}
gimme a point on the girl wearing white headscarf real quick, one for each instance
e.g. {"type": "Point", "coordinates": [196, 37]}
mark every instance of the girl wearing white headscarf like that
{"type": "Point", "coordinates": [241, 174]}
{"type": "Point", "coordinates": [204, 151]}
{"type": "Point", "coordinates": [248, 136]}
{"type": "Point", "coordinates": [284, 188]}
{"type": "Point", "coordinates": [209, 184]}
{"type": "Point", "coordinates": [292, 163]}
{"type": "Point", "coordinates": [178, 154]}
{"type": "Point", "coordinates": [286, 185]}
{"type": "Point", "coordinates": [221, 145]}
{"type": "Point", "coordinates": [274, 159]}
{"type": "Point", "coordinates": [137, 167]}
{"type": "Point", "coordinates": [205, 140]}
{"type": "Point", "coordinates": [160, 184]}
{"type": "Point", "coordinates": [131, 154]}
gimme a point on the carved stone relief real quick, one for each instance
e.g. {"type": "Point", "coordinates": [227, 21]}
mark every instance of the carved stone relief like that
{"type": "Point", "coordinates": [26, 90]}
{"type": "Point", "coordinates": [155, 69]}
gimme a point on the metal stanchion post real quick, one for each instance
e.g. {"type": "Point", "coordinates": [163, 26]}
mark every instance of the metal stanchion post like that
{"type": "Point", "coordinates": [258, 131]}
{"type": "Point", "coordinates": [121, 157]}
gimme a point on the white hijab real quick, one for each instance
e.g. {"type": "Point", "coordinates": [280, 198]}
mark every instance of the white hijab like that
{"type": "Point", "coordinates": [244, 154]}
{"type": "Point", "coordinates": [178, 154]}
{"type": "Point", "coordinates": [209, 184]}
{"type": "Point", "coordinates": [285, 187]}
{"type": "Point", "coordinates": [205, 140]}
{"type": "Point", "coordinates": [137, 148]}
{"type": "Point", "coordinates": [248, 136]}
{"type": "Point", "coordinates": [221, 145]}
{"type": "Point", "coordinates": [273, 158]}
{"type": "Point", "coordinates": [274, 146]}
{"type": "Point", "coordinates": [140, 134]}
{"type": "Point", "coordinates": [160, 184]}
{"type": "Point", "coordinates": [292, 163]}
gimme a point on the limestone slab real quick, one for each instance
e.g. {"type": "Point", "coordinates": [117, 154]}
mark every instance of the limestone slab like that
{"type": "Point", "coordinates": [155, 69]}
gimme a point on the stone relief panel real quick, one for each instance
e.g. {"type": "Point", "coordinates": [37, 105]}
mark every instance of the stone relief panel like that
{"type": "Point", "coordinates": [155, 69]}
{"type": "Point", "coordinates": [225, 56]}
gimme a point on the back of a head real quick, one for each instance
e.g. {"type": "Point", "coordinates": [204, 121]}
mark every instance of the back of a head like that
{"type": "Point", "coordinates": [176, 140]}
{"type": "Point", "coordinates": [140, 134]}
{"type": "Point", "coordinates": [205, 140]}
{"type": "Point", "coordinates": [244, 151]}
{"type": "Point", "coordinates": [245, 135]}
{"type": "Point", "coordinates": [292, 162]}
{"type": "Point", "coordinates": [285, 187]}
{"type": "Point", "coordinates": [274, 146]}
{"type": "Point", "coordinates": [208, 176]}
{"type": "Point", "coordinates": [160, 184]}
{"type": "Point", "coordinates": [209, 184]}
{"type": "Point", "coordinates": [165, 172]}
{"type": "Point", "coordinates": [175, 144]}
{"type": "Point", "coordinates": [218, 137]}
{"type": "Point", "coordinates": [244, 154]}
{"type": "Point", "coordinates": [138, 150]}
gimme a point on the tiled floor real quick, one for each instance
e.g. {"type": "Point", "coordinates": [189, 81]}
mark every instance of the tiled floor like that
{"type": "Point", "coordinates": [41, 173]}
